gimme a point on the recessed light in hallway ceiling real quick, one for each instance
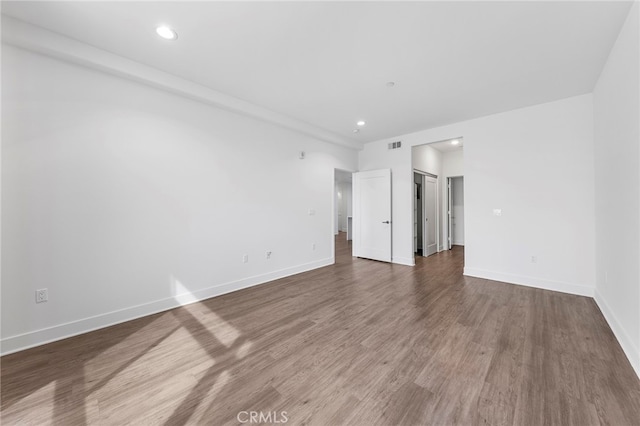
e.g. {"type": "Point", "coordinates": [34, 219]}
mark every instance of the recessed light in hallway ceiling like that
{"type": "Point", "coordinates": [166, 33]}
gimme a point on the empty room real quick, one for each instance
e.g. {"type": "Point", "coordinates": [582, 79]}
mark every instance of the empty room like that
{"type": "Point", "coordinates": [327, 213]}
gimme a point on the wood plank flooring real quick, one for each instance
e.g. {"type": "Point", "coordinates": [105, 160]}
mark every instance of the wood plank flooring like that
{"type": "Point", "coordinates": [357, 343]}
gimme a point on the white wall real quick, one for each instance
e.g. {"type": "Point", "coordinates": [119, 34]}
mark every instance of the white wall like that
{"type": "Point", "coordinates": [453, 163]}
{"type": "Point", "coordinates": [617, 186]}
{"type": "Point", "coordinates": [123, 200]}
{"type": "Point", "coordinates": [427, 159]}
{"type": "Point", "coordinates": [536, 164]}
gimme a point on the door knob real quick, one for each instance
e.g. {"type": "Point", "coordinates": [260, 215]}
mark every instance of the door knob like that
{"type": "Point", "coordinates": [386, 221]}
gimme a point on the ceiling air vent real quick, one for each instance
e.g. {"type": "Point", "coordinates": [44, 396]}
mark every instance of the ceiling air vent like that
{"type": "Point", "coordinates": [395, 145]}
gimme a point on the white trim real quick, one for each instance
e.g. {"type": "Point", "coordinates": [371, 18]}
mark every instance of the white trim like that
{"type": "Point", "coordinates": [409, 261]}
{"type": "Point", "coordinates": [629, 349]}
{"type": "Point", "coordinates": [62, 331]}
{"type": "Point", "coordinates": [40, 40]}
{"type": "Point", "coordinates": [580, 290]}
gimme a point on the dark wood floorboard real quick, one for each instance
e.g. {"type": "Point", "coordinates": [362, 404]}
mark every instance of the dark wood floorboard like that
{"type": "Point", "coordinates": [357, 343]}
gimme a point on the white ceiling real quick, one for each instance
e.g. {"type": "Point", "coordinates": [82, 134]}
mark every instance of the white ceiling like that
{"type": "Point", "coordinates": [326, 63]}
{"type": "Point", "coordinates": [446, 146]}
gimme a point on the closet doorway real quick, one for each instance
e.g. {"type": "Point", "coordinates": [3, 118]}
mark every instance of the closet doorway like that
{"type": "Point", "coordinates": [425, 209]}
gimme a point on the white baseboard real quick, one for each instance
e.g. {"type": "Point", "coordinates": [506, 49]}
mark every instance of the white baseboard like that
{"type": "Point", "coordinates": [409, 261]}
{"type": "Point", "coordinates": [562, 287]}
{"type": "Point", "coordinates": [629, 349]}
{"type": "Point", "coordinates": [62, 331]}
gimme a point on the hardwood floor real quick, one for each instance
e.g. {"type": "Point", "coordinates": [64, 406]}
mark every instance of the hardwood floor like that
{"type": "Point", "coordinates": [359, 343]}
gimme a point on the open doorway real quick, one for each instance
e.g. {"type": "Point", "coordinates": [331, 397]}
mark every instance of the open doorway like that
{"type": "Point", "coordinates": [455, 211]}
{"type": "Point", "coordinates": [440, 161]}
{"type": "Point", "coordinates": [343, 205]}
{"type": "Point", "coordinates": [425, 208]}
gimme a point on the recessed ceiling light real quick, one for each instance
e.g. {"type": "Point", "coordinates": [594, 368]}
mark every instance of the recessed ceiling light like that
{"type": "Point", "coordinates": [356, 130]}
{"type": "Point", "coordinates": [360, 123]}
{"type": "Point", "coordinates": [166, 33]}
{"type": "Point", "coordinates": [390, 84]}
{"type": "Point", "coordinates": [455, 142]}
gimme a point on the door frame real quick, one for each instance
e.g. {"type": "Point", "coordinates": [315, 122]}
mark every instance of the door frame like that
{"type": "Point", "coordinates": [422, 195]}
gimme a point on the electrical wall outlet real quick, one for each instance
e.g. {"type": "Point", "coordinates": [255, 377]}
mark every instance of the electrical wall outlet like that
{"type": "Point", "coordinates": [245, 258]}
{"type": "Point", "coordinates": [313, 246]}
{"type": "Point", "coordinates": [268, 255]}
{"type": "Point", "coordinates": [534, 259]}
{"type": "Point", "coordinates": [42, 295]}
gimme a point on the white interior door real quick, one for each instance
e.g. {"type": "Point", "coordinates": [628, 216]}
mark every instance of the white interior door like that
{"type": "Point", "coordinates": [372, 214]}
{"type": "Point", "coordinates": [430, 245]}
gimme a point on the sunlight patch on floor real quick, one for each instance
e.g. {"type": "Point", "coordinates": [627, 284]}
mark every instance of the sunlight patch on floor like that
{"type": "Point", "coordinates": [37, 406]}
{"type": "Point", "coordinates": [100, 368]}
{"type": "Point", "coordinates": [170, 370]}
{"type": "Point", "coordinates": [244, 349]}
